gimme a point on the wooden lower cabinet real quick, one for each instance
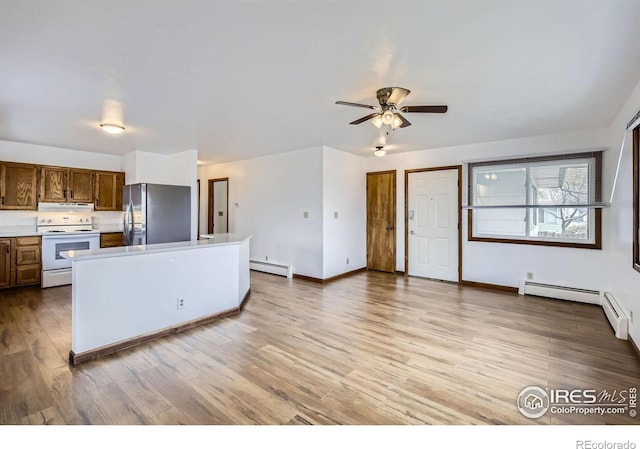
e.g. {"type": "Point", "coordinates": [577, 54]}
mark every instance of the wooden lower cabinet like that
{"type": "Point", "coordinates": [20, 262]}
{"type": "Point", "coordinates": [111, 239]}
{"type": "Point", "coordinates": [28, 274]}
{"type": "Point", "coordinates": [5, 262]}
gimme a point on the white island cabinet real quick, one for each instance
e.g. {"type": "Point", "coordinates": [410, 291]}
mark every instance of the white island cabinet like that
{"type": "Point", "coordinates": [128, 295]}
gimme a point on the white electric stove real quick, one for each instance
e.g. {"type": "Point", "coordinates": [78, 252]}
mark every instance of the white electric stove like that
{"type": "Point", "coordinates": [64, 227]}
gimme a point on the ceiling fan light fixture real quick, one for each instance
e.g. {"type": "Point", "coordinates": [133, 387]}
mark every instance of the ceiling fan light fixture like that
{"type": "Point", "coordinates": [112, 128]}
{"type": "Point", "coordinates": [387, 117]}
{"type": "Point", "coordinates": [396, 122]}
{"type": "Point", "coordinates": [379, 152]}
{"type": "Point", "coordinates": [377, 121]}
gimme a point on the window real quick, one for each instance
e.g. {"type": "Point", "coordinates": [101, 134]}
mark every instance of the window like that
{"type": "Point", "coordinates": [636, 198]}
{"type": "Point", "coordinates": [548, 200]}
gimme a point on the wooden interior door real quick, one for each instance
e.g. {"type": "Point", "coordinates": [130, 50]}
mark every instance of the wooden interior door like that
{"type": "Point", "coordinates": [381, 221]}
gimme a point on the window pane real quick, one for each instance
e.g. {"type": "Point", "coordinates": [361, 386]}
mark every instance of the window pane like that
{"type": "Point", "coordinates": [561, 184]}
{"type": "Point", "coordinates": [500, 186]}
{"type": "Point", "coordinates": [500, 222]}
{"type": "Point", "coordinates": [563, 223]}
{"type": "Point", "coordinates": [554, 185]}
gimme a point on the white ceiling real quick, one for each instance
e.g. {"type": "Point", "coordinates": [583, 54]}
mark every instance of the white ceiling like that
{"type": "Point", "coordinates": [242, 79]}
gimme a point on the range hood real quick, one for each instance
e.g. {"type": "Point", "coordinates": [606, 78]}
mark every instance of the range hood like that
{"type": "Point", "coordinates": [62, 207]}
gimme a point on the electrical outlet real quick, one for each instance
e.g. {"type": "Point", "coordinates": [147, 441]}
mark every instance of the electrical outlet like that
{"type": "Point", "coordinates": [266, 257]}
{"type": "Point", "coordinates": [347, 261]}
{"type": "Point", "coordinates": [335, 214]}
{"type": "Point", "coordinates": [529, 276]}
{"type": "Point", "coordinates": [181, 303]}
{"type": "Point", "coordinates": [305, 214]}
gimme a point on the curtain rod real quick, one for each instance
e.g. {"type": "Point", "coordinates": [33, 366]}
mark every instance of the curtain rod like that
{"type": "Point", "coordinates": [633, 120]}
{"type": "Point", "coordinates": [541, 206]}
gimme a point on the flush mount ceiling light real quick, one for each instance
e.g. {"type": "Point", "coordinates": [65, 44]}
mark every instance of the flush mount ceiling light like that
{"type": "Point", "coordinates": [112, 128]}
{"type": "Point", "coordinates": [379, 151]}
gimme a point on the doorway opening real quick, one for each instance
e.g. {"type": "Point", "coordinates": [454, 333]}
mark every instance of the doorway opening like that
{"type": "Point", "coordinates": [432, 223]}
{"type": "Point", "coordinates": [218, 213]}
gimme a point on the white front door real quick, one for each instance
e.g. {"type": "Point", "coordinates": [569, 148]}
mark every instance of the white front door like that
{"type": "Point", "coordinates": [433, 224]}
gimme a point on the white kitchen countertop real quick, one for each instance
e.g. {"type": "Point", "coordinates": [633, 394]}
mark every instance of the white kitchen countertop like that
{"type": "Point", "coordinates": [123, 251]}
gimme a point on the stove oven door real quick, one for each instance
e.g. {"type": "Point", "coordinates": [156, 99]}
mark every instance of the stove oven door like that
{"type": "Point", "coordinates": [52, 246]}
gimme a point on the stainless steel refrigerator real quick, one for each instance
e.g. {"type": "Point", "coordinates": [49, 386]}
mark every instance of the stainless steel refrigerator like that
{"type": "Point", "coordinates": [156, 213]}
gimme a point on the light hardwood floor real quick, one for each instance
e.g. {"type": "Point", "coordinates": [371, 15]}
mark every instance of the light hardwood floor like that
{"type": "Point", "coordinates": [370, 349]}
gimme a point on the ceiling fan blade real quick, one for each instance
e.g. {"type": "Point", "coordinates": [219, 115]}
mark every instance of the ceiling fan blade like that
{"type": "Point", "coordinates": [363, 119]}
{"type": "Point", "coordinates": [405, 122]}
{"type": "Point", "coordinates": [359, 105]}
{"type": "Point", "coordinates": [436, 109]}
{"type": "Point", "coordinates": [398, 94]}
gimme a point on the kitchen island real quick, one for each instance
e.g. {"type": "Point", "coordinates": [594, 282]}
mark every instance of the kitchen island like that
{"type": "Point", "coordinates": [125, 296]}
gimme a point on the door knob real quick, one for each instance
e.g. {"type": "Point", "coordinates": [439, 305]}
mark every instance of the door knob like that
{"type": "Point", "coordinates": [390, 228]}
{"type": "Point", "coordinates": [411, 232]}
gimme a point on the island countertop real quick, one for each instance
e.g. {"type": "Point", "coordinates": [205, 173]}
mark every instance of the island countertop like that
{"type": "Point", "coordinates": [124, 251]}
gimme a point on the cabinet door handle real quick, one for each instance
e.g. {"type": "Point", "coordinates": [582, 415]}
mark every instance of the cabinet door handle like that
{"type": "Point", "coordinates": [7, 249]}
{"type": "Point", "coordinates": [3, 200]}
{"type": "Point", "coordinates": [71, 193]}
{"type": "Point", "coordinates": [97, 202]}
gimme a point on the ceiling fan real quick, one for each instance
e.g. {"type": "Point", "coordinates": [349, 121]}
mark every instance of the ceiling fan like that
{"type": "Point", "coordinates": [388, 113]}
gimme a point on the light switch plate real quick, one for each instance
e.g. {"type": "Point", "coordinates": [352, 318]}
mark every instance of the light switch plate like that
{"type": "Point", "coordinates": [305, 214]}
{"type": "Point", "coordinates": [335, 214]}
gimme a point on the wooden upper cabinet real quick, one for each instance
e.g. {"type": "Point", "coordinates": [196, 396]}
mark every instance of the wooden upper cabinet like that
{"type": "Point", "coordinates": [109, 186]}
{"type": "Point", "coordinates": [53, 184]}
{"type": "Point", "coordinates": [80, 186]}
{"type": "Point", "coordinates": [18, 186]}
{"type": "Point", "coordinates": [61, 184]}
{"type": "Point", "coordinates": [22, 186]}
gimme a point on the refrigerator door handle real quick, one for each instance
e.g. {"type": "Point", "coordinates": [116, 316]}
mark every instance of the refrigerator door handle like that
{"type": "Point", "coordinates": [131, 224]}
{"type": "Point", "coordinates": [126, 225]}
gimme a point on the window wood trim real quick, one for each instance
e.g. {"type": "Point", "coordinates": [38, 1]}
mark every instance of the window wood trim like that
{"type": "Point", "coordinates": [636, 197]}
{"type": "Point", "coordinates": [597, 219]}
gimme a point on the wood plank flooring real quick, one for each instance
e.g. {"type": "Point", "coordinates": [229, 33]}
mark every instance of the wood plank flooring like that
{"type": "Point", "coordinates": [373, 348]}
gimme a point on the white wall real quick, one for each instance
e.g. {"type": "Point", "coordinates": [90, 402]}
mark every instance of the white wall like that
{"type": "Point", "coordinates": [343, 191]}
{"type": "Point", "coordinates": [500, 263]}
{"type": "Point", "coordinates": [179, 169]}
{"type": "Point", "coordinates": [624, 281]}
{"type": "Point", "coordinates": [44, 155]}
{"type": "Point", "coordinates": [267, 199]}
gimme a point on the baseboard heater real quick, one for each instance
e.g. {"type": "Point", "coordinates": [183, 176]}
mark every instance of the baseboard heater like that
{"type": "Point", "coordinates": [559, 292]}
{"type": "Point", "coordinates": [615, 315]}
{"type": "Point", "coordinates": [273, 268]}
